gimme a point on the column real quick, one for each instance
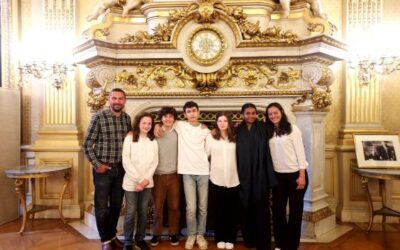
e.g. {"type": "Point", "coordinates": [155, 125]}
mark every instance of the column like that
{"type": "Point", "coordinates": [318, 219]}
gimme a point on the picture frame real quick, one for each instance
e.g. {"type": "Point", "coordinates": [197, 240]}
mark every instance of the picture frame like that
{"type": "Point", "coordinates": [377, 151]}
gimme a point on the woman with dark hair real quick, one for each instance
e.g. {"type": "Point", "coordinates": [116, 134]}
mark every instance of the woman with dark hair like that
{"type": "Point", "coordinates": [140, 159]}
{"type": "Point", "coordinates": [289, 161]}
{"type": "Point", "coordinates": [224, 180]}
{"type": "Point", "coordinates": [256, 178]}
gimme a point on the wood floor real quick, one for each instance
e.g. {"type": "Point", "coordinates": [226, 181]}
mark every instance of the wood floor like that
{"type": "Point", "coordinates": [52, 235]}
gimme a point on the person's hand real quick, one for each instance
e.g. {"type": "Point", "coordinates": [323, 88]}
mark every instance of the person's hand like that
{"type": "Point", "coordinates": [301, 182]}
{"type": "Point", "coordinates": [157, 130]}
{"type": "Point", "coordinates": [144, 183]}
{"type": "Point", "coordinates": [102, 169]}
{"type": "Point", "coordinates": [139, 188]}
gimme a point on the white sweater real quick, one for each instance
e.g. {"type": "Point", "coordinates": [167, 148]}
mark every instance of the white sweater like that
{"type": "Point", "coordinates": [223, 170]}
{"type": "Point", "coordinates": [192, 155]}
{"type": "Point", "coordinates": [287, 152]}
{"type": "Point", "coordinates": [140, 160]}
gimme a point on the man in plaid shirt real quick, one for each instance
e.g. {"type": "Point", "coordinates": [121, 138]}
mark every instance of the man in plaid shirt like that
{"type": "Point", "coordinates": [103, 148]}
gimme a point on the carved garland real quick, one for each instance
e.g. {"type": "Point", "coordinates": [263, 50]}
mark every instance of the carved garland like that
{"type": "Point", "coordinates": [207, 13]}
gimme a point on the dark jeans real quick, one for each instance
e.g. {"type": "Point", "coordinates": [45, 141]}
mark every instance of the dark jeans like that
{"type": "Point", "coordinates": [136, 203]}
{"type": "Point", "coordinates": [287, 232]}
{"type": "Point", "coordinates": [225, 207]}
{"type": "Point", "coordinates": [108, 195]}
{"type": "Point", "coordinates": [256, 226]}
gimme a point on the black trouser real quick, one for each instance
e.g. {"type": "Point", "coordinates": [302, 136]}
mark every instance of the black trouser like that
{"type": "Point", "coordinates": [256, 226]}
{"type": "Point", "coordinates": [287, 232]}
{"type": "Point", "coordinates": [108, 195]}
{"type": "Point", "coordinates": [225, 207]}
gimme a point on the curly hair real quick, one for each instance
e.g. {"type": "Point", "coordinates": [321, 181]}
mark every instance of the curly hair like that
{"type": "Point", "coordinates": [136, 129]}
{"type": "Point", "coordinates": [167, 110]}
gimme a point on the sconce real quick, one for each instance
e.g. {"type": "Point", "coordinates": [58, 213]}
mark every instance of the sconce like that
{"type": "Point", "coordinates": [57, 71]}
{"type": "Point", "coordinates": [368, 69]}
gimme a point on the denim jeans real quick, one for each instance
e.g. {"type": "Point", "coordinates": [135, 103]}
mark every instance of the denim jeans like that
{"type": "Point", "coordinates": [136, 202]}
{"type": "Point", "coordinates": [108, 195]}
{"type": "Point", "coordinates": [196, 187]}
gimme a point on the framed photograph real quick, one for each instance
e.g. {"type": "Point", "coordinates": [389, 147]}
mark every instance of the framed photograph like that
{"type": "Point", "coordinates": [377, 151]}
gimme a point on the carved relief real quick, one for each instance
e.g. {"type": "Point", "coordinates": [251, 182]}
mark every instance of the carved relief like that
{"type": "Point", "coordinates": [105, 5]}
{"type": "Point", "coordinates": [206, 13]}
{"type": "Point", "coordinates": [320, 78]}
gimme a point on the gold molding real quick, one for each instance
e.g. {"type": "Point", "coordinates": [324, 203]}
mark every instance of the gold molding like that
{"type": "Point", "coordinates": [317, 215]}
{"type": "Point", "coordinates": [44, 194]}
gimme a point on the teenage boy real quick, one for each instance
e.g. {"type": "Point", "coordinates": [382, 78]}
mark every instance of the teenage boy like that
{"type": "Point", "coordinates": [167, 182]}
{"type": "Point", "coordinates": [194, 166]}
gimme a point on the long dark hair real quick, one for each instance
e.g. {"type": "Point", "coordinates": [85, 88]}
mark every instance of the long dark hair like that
{"type": "Point", "coordinates": [284, 127]}
{"type": "Point", "coordinates": [136, 129]}
{"type": "Point", "coordinates": [217, 135]}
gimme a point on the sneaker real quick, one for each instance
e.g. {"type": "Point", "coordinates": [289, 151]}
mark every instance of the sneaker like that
{"type": "Point", "coordinates": [221, 245]}
{"type": "Point", "coordinates": [173, 240]}
{"type": "Point", "coordinates": [154, 241]}
{"type": "Point", "coordinates": [190, 242]}
{"type": "Point", "coordinates": [142, 245]}
{"type": "Point", "coordinates": [229, 245]}
{"type": "Point", "coordinates": [201, 242]}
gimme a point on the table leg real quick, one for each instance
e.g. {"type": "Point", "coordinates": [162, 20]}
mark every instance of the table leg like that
{"type": "Point", "coordinates": [364, 185]}
{"type": "Point", "coordinates": [33, 191]}
{"type": "Point", "coordinates": [67, 178]}
{"type": "Point", "coordinates": [382, 192]}
{"type": "Point", "coordinates": [20, 190]}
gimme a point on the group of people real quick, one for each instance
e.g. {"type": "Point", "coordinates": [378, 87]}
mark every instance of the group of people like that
{"type": "Point", "coordinates": [238, 166]}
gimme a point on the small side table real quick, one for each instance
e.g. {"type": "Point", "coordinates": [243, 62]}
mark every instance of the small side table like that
{"type": "Point", "coordinates": [22, 174]}
{"type": "Point", "coordinates": [381, 175]}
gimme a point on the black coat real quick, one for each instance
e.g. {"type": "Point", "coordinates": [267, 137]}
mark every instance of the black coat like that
{"type": "Point", "coordinates": [255, 167]}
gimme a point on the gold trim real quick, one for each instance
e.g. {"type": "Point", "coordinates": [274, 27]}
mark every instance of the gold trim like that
{"type": "Point", "coordinates": [317, 215]}
{"type": "Point", "coordinates": [44, 194]}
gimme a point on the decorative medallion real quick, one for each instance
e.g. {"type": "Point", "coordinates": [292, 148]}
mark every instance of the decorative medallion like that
{"type": "Point", "coordinates": [206, 45]}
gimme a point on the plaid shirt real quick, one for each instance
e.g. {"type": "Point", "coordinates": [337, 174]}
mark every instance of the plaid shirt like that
{"type": "Point", "coordinates": [105, 137]}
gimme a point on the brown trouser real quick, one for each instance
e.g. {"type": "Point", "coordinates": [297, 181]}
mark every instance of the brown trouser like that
{"type": "Point", "coordinates": [166, 187]}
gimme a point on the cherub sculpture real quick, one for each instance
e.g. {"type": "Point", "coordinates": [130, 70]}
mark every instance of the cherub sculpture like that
{"type": "Point", "coordinates": [104, 5]}
{"type": "Point", "coordinates": [316, 7]}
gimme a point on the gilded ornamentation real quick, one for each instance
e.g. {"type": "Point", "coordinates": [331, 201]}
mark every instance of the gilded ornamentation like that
{"type": "Point", "coordinates": [287, 78]}
{"type": "Point", "coordinates": [97, 100]}
{"type": "Point", "coordinates": [162, 32]}
{"type": "Point", "coordinates": [162, 76]}
{"type": "Point", "coordinates": [207, 14]}
{"type": "Point", "coordinates": [247, 75]}
{"type": "Point", "coordinates": [327, 77]}
{"type": "Point", "coordinates": [316, 28]}
{"type": "Point", "coordinates": [126, 78]}
{"type": "Point", "coordinates": [101, 34]}
{"type": "Point", "coordinates": [206, 10]}
{"type": "Point", "coordinates": [321, 99]}
{"type": "Point", "coordinates": [251, 31]}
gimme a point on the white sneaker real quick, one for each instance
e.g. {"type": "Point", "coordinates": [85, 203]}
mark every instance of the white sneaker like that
{"type": "Point", "coordinates": [191, 239]}
{"type": "Point", "coordinates": [201, 242]}
{"type": "Point", "coordinates": [229, 245]}
{"type": "Point", "coordinates": [221, 245]}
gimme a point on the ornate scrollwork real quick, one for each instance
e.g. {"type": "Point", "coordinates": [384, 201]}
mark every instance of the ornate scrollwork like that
{"type": "Point", "coordinates": [233, 75]}
{"type": "Point", "coordinates": [316, 28]}
{"type": "Point", "coordinates": [101, 34]}
{"type": "Point", "coordinates": [247, 75]}
{"type": "Point", "coordinates": [251, 31]}
{"type": "Point", "coordinates": [97, 100]}
{"type": "Point", "coordinates": [206, 14]}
